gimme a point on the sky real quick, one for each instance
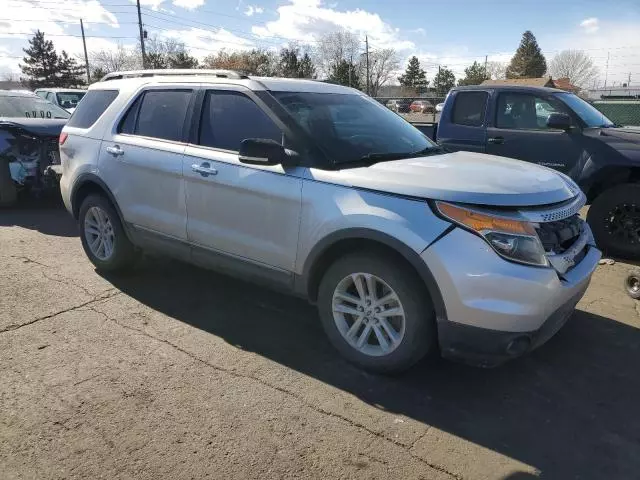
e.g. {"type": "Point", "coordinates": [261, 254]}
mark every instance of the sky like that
{"type": "Point", "coordinates": [450, 33]}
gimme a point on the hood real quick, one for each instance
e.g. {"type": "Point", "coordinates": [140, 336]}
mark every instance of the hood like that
{"type": "Point", "coordinates": [36, 126]}
{"type": "Point", "coordinates": [629, 134]}
{"type": "Point", "coordinates": [464, 177]}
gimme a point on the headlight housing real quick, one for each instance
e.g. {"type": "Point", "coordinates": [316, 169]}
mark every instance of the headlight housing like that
{"type": "Point", "coordinates": [512, 239]}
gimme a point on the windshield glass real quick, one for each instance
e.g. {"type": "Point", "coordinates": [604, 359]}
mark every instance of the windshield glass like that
{"type": "Point", "coordinates": [30, 107]}
{"type": "Point", "coordinates": [69, 99]}
{"type": "Point", "coordinates": [587, 112]}
{"type": "Point", "coordinates": [352, 128]}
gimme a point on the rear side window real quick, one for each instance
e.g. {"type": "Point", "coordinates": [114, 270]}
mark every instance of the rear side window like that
{"type": "Point", "coordinates": [94, 103]}
{"type": "Point", "coordinates": [469, 108]}
{"type": "Point", "coordinates": [161, 114]}
{"type": "Point", "coordinates": [228, 118]}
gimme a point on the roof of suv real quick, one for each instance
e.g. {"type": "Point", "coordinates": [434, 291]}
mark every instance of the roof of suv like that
{"type": "Point", "coordinates": [138, 78]}
{"type": "Point", "coordinates": [517, 88]}
{"type": "Point", "coordinates": [56, 89]}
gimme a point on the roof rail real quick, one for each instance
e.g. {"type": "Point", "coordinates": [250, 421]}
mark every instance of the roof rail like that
{"type": "Point", "coordinates": [176, 71]}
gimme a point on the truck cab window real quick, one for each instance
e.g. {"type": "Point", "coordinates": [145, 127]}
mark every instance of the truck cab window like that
{"type": "Point", "coordinates": [469, 108]}
{"type": "Point", "coordinates": [521, 111]}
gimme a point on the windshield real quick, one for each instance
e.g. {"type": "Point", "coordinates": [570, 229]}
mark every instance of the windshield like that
{"type": "Point", "coordinates": [69, 99]}
{"type": "Point", "coordinates": [352, 128]}
{"type": "Point", "coordinates": [587, 112]}
{"type": "Point", "coordinates": [29, 107]}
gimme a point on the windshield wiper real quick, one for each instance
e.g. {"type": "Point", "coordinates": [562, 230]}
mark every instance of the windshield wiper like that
{"type": "Point", "coordinates": [377, 157]}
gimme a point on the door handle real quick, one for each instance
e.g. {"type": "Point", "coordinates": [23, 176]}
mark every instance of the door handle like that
{"type": "Point", "coordinates": [116, 151]}
{"type": "Point", "coordinates": [496, 140]}
{"type": "Point", "coordinates": [204, 169]}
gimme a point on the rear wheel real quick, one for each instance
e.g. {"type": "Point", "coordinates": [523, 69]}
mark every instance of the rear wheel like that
{"type": "Point", "coordinates": [376, 313]}
{"type": "Point", "coordinates": [614, 218]}
{"type": "Point", "coordinates": [103, 237]}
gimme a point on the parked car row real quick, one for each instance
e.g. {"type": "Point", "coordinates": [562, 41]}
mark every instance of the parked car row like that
{"type": "Point", "coordinates": [322, 192]}
{"type": "Point", "coordinates": [407, 105]}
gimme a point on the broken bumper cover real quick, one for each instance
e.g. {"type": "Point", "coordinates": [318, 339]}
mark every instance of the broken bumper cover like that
{"type": "Point", "coordinates": [497, 310]}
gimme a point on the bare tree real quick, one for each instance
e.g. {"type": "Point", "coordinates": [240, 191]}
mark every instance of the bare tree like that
{"type": "Point", "coordinates": [383, 64]}
{"type": "Point", "coordinates": [121, 58]}
{"type": "Point", "coordinates": [335, 47]}
{"type": "Point", "coordinates": [496, 70]}
{"type": "Point", "coordinates": [575, 65]}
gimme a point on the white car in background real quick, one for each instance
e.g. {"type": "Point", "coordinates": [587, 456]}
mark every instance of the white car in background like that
{"type": "Point", "coordinates": [66, 98]}
{"type": "Point", "coordinates": [439, 107]}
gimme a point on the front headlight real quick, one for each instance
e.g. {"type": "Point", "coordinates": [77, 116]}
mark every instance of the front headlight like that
{"type": "Point", "coordinates": [511, 239]}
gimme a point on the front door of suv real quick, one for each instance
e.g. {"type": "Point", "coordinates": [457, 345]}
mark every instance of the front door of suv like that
{"type": "Point", "coordinates": [240, 216]}
{"type": "Point", "coordinates": [141, 162]}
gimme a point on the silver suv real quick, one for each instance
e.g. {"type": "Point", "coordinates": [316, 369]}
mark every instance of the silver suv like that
{"type": "Point", "coordinates": [321, 191]}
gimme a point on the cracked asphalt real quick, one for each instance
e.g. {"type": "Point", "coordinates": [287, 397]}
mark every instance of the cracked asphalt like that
{"type": "Point", "coordinates": [175, 372]}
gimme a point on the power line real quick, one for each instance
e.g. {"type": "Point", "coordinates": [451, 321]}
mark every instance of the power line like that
{"type": "Point", "coordinates": [64, 35]}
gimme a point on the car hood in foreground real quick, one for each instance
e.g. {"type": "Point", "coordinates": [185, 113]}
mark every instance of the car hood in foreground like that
{"type": "Point", "coordinates": [464, 177]}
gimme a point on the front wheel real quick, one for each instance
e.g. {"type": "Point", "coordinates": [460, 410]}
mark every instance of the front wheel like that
{"type": "Point", "coordinates": [614, 218]}
{"type": "Point", "coordinates": [376, 312]}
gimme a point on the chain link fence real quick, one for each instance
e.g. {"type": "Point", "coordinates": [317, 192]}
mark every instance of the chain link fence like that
{"type": "Point", "coordinates": [622, 112]}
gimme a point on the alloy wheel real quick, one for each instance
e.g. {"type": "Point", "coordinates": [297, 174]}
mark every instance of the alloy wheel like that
{"type": "Point", "coordinates": [99, 233]}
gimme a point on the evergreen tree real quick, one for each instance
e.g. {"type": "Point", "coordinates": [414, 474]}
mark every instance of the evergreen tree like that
{"type": "Point", "coordinates": [414, 76]}
{"type": "Point", "coordinates": [345, 73]}
{"type": "Point", "coordinates": [182, 60]}
{"type": "Point", "coordinates": [444, 80]}
{"type": "Point", "coordinates": [292, 65]}
{"type": "Point", "coordinates": [70, 74]}
{"type": "Point", "coordinates": [528, 61]}
{"type": "Point", "coordinates": [474, 75]}
{"type": "Point", "coordinates": [41, 63]}
{"type": "Point", "coordinates": [97, 74]}
{"type": "Point", "coordinates": [306, 68]}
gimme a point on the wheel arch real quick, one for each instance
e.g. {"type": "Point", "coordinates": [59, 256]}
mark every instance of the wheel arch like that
{"type": "Point", "coordinates": [88, 184]}
{"type": "Point", "coordinates": [342, 242]}
{"type": "Point", "coordinates": [611, 177]}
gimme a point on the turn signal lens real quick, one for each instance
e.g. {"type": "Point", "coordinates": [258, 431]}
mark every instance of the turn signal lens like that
{"type": "Point", "coordinates": [481, 222]}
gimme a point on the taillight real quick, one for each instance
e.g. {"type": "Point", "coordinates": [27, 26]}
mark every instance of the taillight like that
{"type": "Point", "coordinates": [63, 138]}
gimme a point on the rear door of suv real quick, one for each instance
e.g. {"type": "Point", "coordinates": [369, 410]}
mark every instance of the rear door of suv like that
{"type": "Point", "coordinates": [141, 161]}
{"type": "Point", "coordinates": [239, 216]}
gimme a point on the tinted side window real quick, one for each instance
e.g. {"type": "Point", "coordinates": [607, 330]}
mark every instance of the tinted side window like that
{"type": "Point", "coordinates": [128, 122]}
{"type": "Point", "coordinates": [469, 108]}
{"type": "Point", "coordinates": [94, 103]}
{"type": "Point", "coordinates": [228, 118]}
{"type": "Point", "coordinates": [523, 111]}
{"type": "Point", "coordinates": [162, 114]}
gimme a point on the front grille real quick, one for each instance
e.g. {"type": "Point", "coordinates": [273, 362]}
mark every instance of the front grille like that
{"type": "Point", "coordinates": [560, 235]}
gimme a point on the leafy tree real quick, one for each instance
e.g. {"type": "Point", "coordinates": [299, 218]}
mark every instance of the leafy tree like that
{"type": "Point", "coordinates": [474, 75]}
{"type": "Point", "coordinates": [156, 60]}
{"type": "Point", "coordinates": [70, 74]}
{"type": "Point", "coordinates": [414, 76]}
{"type": "Point", "coordinates": [40, 63]}
{"type": "Point", "coordinates": [575, 65]}
{"type": "Point", "coordinates": [182, 60]}
{"type": "Point", "coordinates": [528, 61]}
{"type": "Point", "coordinates": [294, 65]}
{"type": "Point", "coordinates": [444, 80]}
{"type": "Point", "coordinates": [345, 73]}
{"type": "Point", "coordinates": [255, 62]}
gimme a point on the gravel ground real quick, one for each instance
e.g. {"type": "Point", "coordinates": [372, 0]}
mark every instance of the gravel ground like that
{"type": "Point", "coordinates": [174, 372]}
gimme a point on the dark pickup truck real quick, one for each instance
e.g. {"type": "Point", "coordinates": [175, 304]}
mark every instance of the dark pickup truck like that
{"type": "Point", "coordinates": [559, 130]}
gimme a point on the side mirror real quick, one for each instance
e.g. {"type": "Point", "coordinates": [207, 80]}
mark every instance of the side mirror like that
{"type": "Point", "coordinates": [560, 121]}
{"type": "Point", "coordinates": [262, 151]}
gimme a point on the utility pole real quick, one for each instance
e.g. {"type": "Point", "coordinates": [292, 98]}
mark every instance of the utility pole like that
{"type": "Point", "coordinates": [606, 72]}
{"type": "Point", "coordinates": [144, 56]}
{"type": "Point", "coordinates": [366, 39]}
{"type": "Point", "coordinates": [486, 57]}
{"type": "Point", "coordinates": [629, 80]}
{"type": "Point", "coordinates": [439, 79]}
{"type": "Point", "coordinates": [86, 57]}
{"type": "Point", "coordinates": [350, 68]}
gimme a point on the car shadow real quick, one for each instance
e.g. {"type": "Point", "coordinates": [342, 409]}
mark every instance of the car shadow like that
{"type": "Point", "coordinates": [45, 214]}
{"type": "Point", "coordinates": [569, 409]}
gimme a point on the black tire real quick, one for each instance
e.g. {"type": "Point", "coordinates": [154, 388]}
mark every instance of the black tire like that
{"type": "Point", "coordinates": [632, 284]}
{"type": "Point", "coordinates": [420, 334]}
{"type": "Point", "coordinates": [604, 218]}
{"type": "Point", "coordinates": [124, 253]}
